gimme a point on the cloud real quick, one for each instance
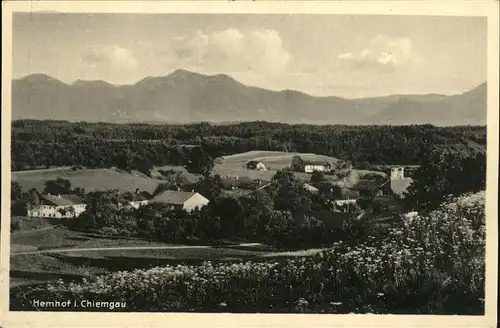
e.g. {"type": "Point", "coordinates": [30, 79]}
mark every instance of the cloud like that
{"type": "Point", "coordinates": [231, 51]}
{"type": "Point", "coordinates": [383, 53]}
{"type": "Point", "coordinates": [110, 56]}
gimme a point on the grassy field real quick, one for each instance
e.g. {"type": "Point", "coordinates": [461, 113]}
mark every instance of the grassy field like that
{"type": "Point", "coordinates": [235, 165]}
{"type": "Point", "coordinates": [89, 179]}
{"type": "Point", "coordinates": [41, 254]}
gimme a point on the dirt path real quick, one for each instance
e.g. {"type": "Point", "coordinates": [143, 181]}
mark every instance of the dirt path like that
{"type": "Point", "coordinates": [68, 250]}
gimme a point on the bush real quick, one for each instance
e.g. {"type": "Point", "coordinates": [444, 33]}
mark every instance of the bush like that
{"type": "Point", "coordinates": [15, 224]}
{"type": "Point", "coordinates": [431, 264]}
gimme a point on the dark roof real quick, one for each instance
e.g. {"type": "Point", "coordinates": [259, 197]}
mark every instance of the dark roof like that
{"type": "Point", "coordinates": [173, 197]}
{"type": "Point", "coordinates": [62, 200]}
{"type": "Point", "coordinates": [143, 195]}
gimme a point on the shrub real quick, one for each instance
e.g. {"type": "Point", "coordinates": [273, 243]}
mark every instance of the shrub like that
{"type": "Point", "coordinates": [430, 264]}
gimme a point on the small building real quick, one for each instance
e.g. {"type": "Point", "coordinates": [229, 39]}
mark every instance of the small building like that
{"type": "Point", "coordinates": [321, 166]}
{"type": "Point", "coordinates": [398, 182]}
{"type": "Point", "coordinates": [139, 199]}
{"type": "Point", "coordinates": [57, 206]}
{"type": "Point", "coordinates": [311, 189]}
{"type": "Point", "coordinates": [184, 200]}
{"type": "Point", "coordinates": [256, 165]}
{"type": "Point", "coordinates": [343, 202]}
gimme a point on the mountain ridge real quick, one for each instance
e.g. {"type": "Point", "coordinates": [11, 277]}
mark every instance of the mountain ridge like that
{"type": "Point", "coordinates": [186, 96]}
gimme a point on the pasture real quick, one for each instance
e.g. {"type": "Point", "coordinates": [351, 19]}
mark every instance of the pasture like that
{"type": "Point", "coordinates": [40, 255]}
{"type": "Point", "coordinates": [88, 179]}
{"type": "Point", "coordinates": [235, 165]}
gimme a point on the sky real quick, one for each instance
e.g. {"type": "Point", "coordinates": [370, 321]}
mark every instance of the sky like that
{"type": "Point", "coordinates": [348, 56]}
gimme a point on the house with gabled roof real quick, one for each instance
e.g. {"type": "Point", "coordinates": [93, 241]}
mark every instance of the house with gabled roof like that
{"type": "Point", "coordinates": [321, 166]}
{"type": "Point", "coordinates": [136, 200]}
{"type": "Point", "coordinates": [57, 206]}
{"type": "Point", "coordinates": [185, 200]}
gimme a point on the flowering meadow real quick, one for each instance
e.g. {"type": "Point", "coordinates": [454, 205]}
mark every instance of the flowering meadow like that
{"type": "Point", "coordinates": [430, 264]}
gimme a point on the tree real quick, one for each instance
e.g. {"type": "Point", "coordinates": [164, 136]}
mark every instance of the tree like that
{"type": "Point", "coordinates": [289, 195]}
{"type": "Point", "coordinates": [230, 211]}
{"type": "Point", "coordinates": [57, 186]}
{"type": "Point", "coordinates": [18, 199]}
{"type": "Point", "coordinates": [297, 164]}
{"type": "Point", "coordinates": [161, 188]}
{"type": "Point", "coordinates": [280, 227]}
{"type": "Point", "coordinates": [16, 191]}
{"type": "Point", "coordinates": [174, 179]}
{"type": "Point", "coordinates": [209, 187]}
{"type": "Point", "coordinates": [317, 177]}
{"type": "Point", "coordinates": [101, 211]}
{"type": "Point", "coordinates": [200, 162]}
{"type": "Point", "coordinates": [80, 192]}
{"type": "Point", "coordinates": [443, 174]}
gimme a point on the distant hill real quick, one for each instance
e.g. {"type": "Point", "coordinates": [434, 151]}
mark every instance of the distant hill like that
{"type": "Point", "coordinates": [185, 96]}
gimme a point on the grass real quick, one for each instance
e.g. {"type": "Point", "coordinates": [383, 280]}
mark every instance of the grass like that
{"type": "Point", "coordinates": [61, 237]}
{"type": "Point", "coordinates": [89, 179]}
{"type": "Point", "coordinates": [235, 165]}
{"type": "Point", "coordinates": [27, 269]}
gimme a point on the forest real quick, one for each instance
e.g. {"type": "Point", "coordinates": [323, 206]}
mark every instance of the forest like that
{"type": "Point", "coordinates": [41, 144]}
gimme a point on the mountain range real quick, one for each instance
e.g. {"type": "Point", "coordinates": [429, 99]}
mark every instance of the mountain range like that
{"type": "Point", "coordinates": [185, 96]}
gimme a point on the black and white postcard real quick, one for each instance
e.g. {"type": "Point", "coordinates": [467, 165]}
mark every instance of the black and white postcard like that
{"type": "Point", "coordinates": [249, 163]}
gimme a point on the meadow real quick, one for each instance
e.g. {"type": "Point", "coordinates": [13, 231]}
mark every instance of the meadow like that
{"type": "Point", "coordinates": [429, 264]}
{"type": "Point", "coordinates": [45, 250]}
{"type": "Point", "coordinates": [235, 165]}
{"type": "Point", "coordinates": [88, 179]}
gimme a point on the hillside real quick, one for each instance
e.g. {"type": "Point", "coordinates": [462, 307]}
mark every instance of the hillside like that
{"type": "Point", "coordinates": [185, 96]}
{"type": "Point", "coordinates": [88, 179]}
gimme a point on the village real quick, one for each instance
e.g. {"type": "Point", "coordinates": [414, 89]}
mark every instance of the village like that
{"type": "Point", "coordinates": [382, 193]}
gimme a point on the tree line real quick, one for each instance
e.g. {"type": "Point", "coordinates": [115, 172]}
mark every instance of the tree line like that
{"type": "Point", "coordinates": [38, 144]}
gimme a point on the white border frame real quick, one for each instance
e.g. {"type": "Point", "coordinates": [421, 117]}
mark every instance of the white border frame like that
{"type": "Point", "coordinates": [445, 8]}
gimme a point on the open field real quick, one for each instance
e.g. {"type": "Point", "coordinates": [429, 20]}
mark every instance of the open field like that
{"type": "Point", "coordinates": [61, 237]}
{"type": "Point", "coordinates": [235, 165]}
{"type": "Point", "coordinates": [89, 179]}
{"type": "Point", "coordinates": [42, 255]}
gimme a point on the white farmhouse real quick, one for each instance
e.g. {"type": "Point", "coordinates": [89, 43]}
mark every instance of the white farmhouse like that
{"type": "Point", "coordinates": [399, 183]}
{"type": "Point", "coordinates": [256, 165]}
{"type": "Point", "coordinates": [57, 206]}
{"type": "Point", "coordinates": [188, 201]}
{"type": "Point", "coordinates": [321, 166]}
